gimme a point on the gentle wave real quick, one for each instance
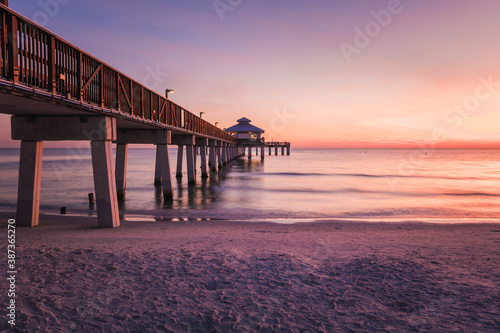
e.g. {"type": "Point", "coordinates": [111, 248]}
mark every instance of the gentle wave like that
{"type": "Point", "coordinates": [361, 191]}
{"type": "Point", "coordinates": [365, 175]}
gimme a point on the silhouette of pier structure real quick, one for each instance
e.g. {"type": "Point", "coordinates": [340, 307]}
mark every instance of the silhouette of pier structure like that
{"type": "Point", "coordinates": [57, 92]}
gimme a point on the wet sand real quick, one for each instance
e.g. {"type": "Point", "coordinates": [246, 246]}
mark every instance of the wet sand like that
{"type": "Point", "coordinates": [218, 276]}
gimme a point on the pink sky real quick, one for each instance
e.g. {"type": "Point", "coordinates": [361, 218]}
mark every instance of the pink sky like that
{"type": "Point", "coordinates": [427, 73]}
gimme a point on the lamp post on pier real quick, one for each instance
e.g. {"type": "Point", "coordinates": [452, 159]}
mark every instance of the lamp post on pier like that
{"type": "Point", "coordinates": [167, 91]}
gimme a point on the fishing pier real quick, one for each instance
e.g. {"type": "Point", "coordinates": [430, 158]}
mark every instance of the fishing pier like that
{"type": "Point", "coordinates": [58, 92]}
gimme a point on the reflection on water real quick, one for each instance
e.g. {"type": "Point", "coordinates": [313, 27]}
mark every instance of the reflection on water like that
{"type": "Point", "coordinates": [310, 183]}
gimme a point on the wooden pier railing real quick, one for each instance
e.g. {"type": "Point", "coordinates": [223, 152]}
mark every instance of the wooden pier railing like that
{"type": "Point", "coordinates": [35, 57]}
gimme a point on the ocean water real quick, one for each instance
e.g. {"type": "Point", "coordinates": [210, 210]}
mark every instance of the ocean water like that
{"type": "Point", "coordinates": [310, 184]}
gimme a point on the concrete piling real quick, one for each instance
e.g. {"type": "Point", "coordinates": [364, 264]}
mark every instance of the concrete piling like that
{"type": "Point", "coordinates": [121, 169]}
{"type": "Point", "coordinates": [29, 184]}
{"type": "Point", "coordinates": [105, 184]}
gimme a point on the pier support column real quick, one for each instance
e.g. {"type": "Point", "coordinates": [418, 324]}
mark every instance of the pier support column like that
{"type": "Point", "coordinates": [204, 173]}
{"type": "Point", "coordinates": [163, 163]}
{"type": "Point", "coordinates": [250, 153]}
{"type": "Point", "coordinates": [189, 142]}
{"type": "Point", "coordinates": [220, 162]}
{"type": "Point", "coordinates": [99, 130]}
{"type": "Point", "coordinates": [157, 168]}
{"type": "Point", "coordinates": [29, 184]}
{"type": "Point", "coordinates": [190, 164]}
{"type": "Point", "coordinates": [121, 169]}
{"type": "Point", "coordinates": [288, 150]}
{"type": "Point", "coordinates": [262, 153]}
{"type": "Point", "coordinates": [269, 150]}
{"type": "Point", "coordinates": [180, 151]}
{"type": "Point", "coordinates": [104, 184]}
{"type": "Point", "coordinates": [256, 151]}
{"type": "Point", "coordinates": [225, 155]}
{"type": "Point", "coordinates": [282, 150]}
{"type": "Point", "coordinates": [195, 158]}
{"type": "Point", "coordinates": [203, 144]}
{"type": "Point", "coordinates": [212, 154]}
{"type": "Point", "coordinates": [124, 137]}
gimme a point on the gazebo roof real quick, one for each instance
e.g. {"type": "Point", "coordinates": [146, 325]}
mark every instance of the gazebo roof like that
{"type": "Point", "coordinates": [244, 126]}
{"type": "Point", "coordinates": [243, 120]}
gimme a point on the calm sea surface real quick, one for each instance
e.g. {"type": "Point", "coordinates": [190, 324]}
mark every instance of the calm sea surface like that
{"type": "Point", "coordinates": [435, 185]}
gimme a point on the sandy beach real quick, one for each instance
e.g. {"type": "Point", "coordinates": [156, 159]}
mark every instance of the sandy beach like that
{"type": "Point", "coordinates": [221, 276]}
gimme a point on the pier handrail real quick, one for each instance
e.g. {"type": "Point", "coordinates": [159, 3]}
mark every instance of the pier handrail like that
{"type": "Point", "coordinates": [33, 56]}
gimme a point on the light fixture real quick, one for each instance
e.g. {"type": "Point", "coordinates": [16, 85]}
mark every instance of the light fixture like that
{"type": "Point", "coordinates": [201, 114]}
{"type": "Point", "coordinates": [167, 91]}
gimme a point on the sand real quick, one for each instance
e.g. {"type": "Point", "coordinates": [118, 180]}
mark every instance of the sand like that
{"type": "Point", "coordinates": [221, 276]}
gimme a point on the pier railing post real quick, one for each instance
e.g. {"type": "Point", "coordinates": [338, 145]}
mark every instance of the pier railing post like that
{"type": "Point", "coordinates": [30, 180]}
{"type": "Point", "coordinates": [12, 48]}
